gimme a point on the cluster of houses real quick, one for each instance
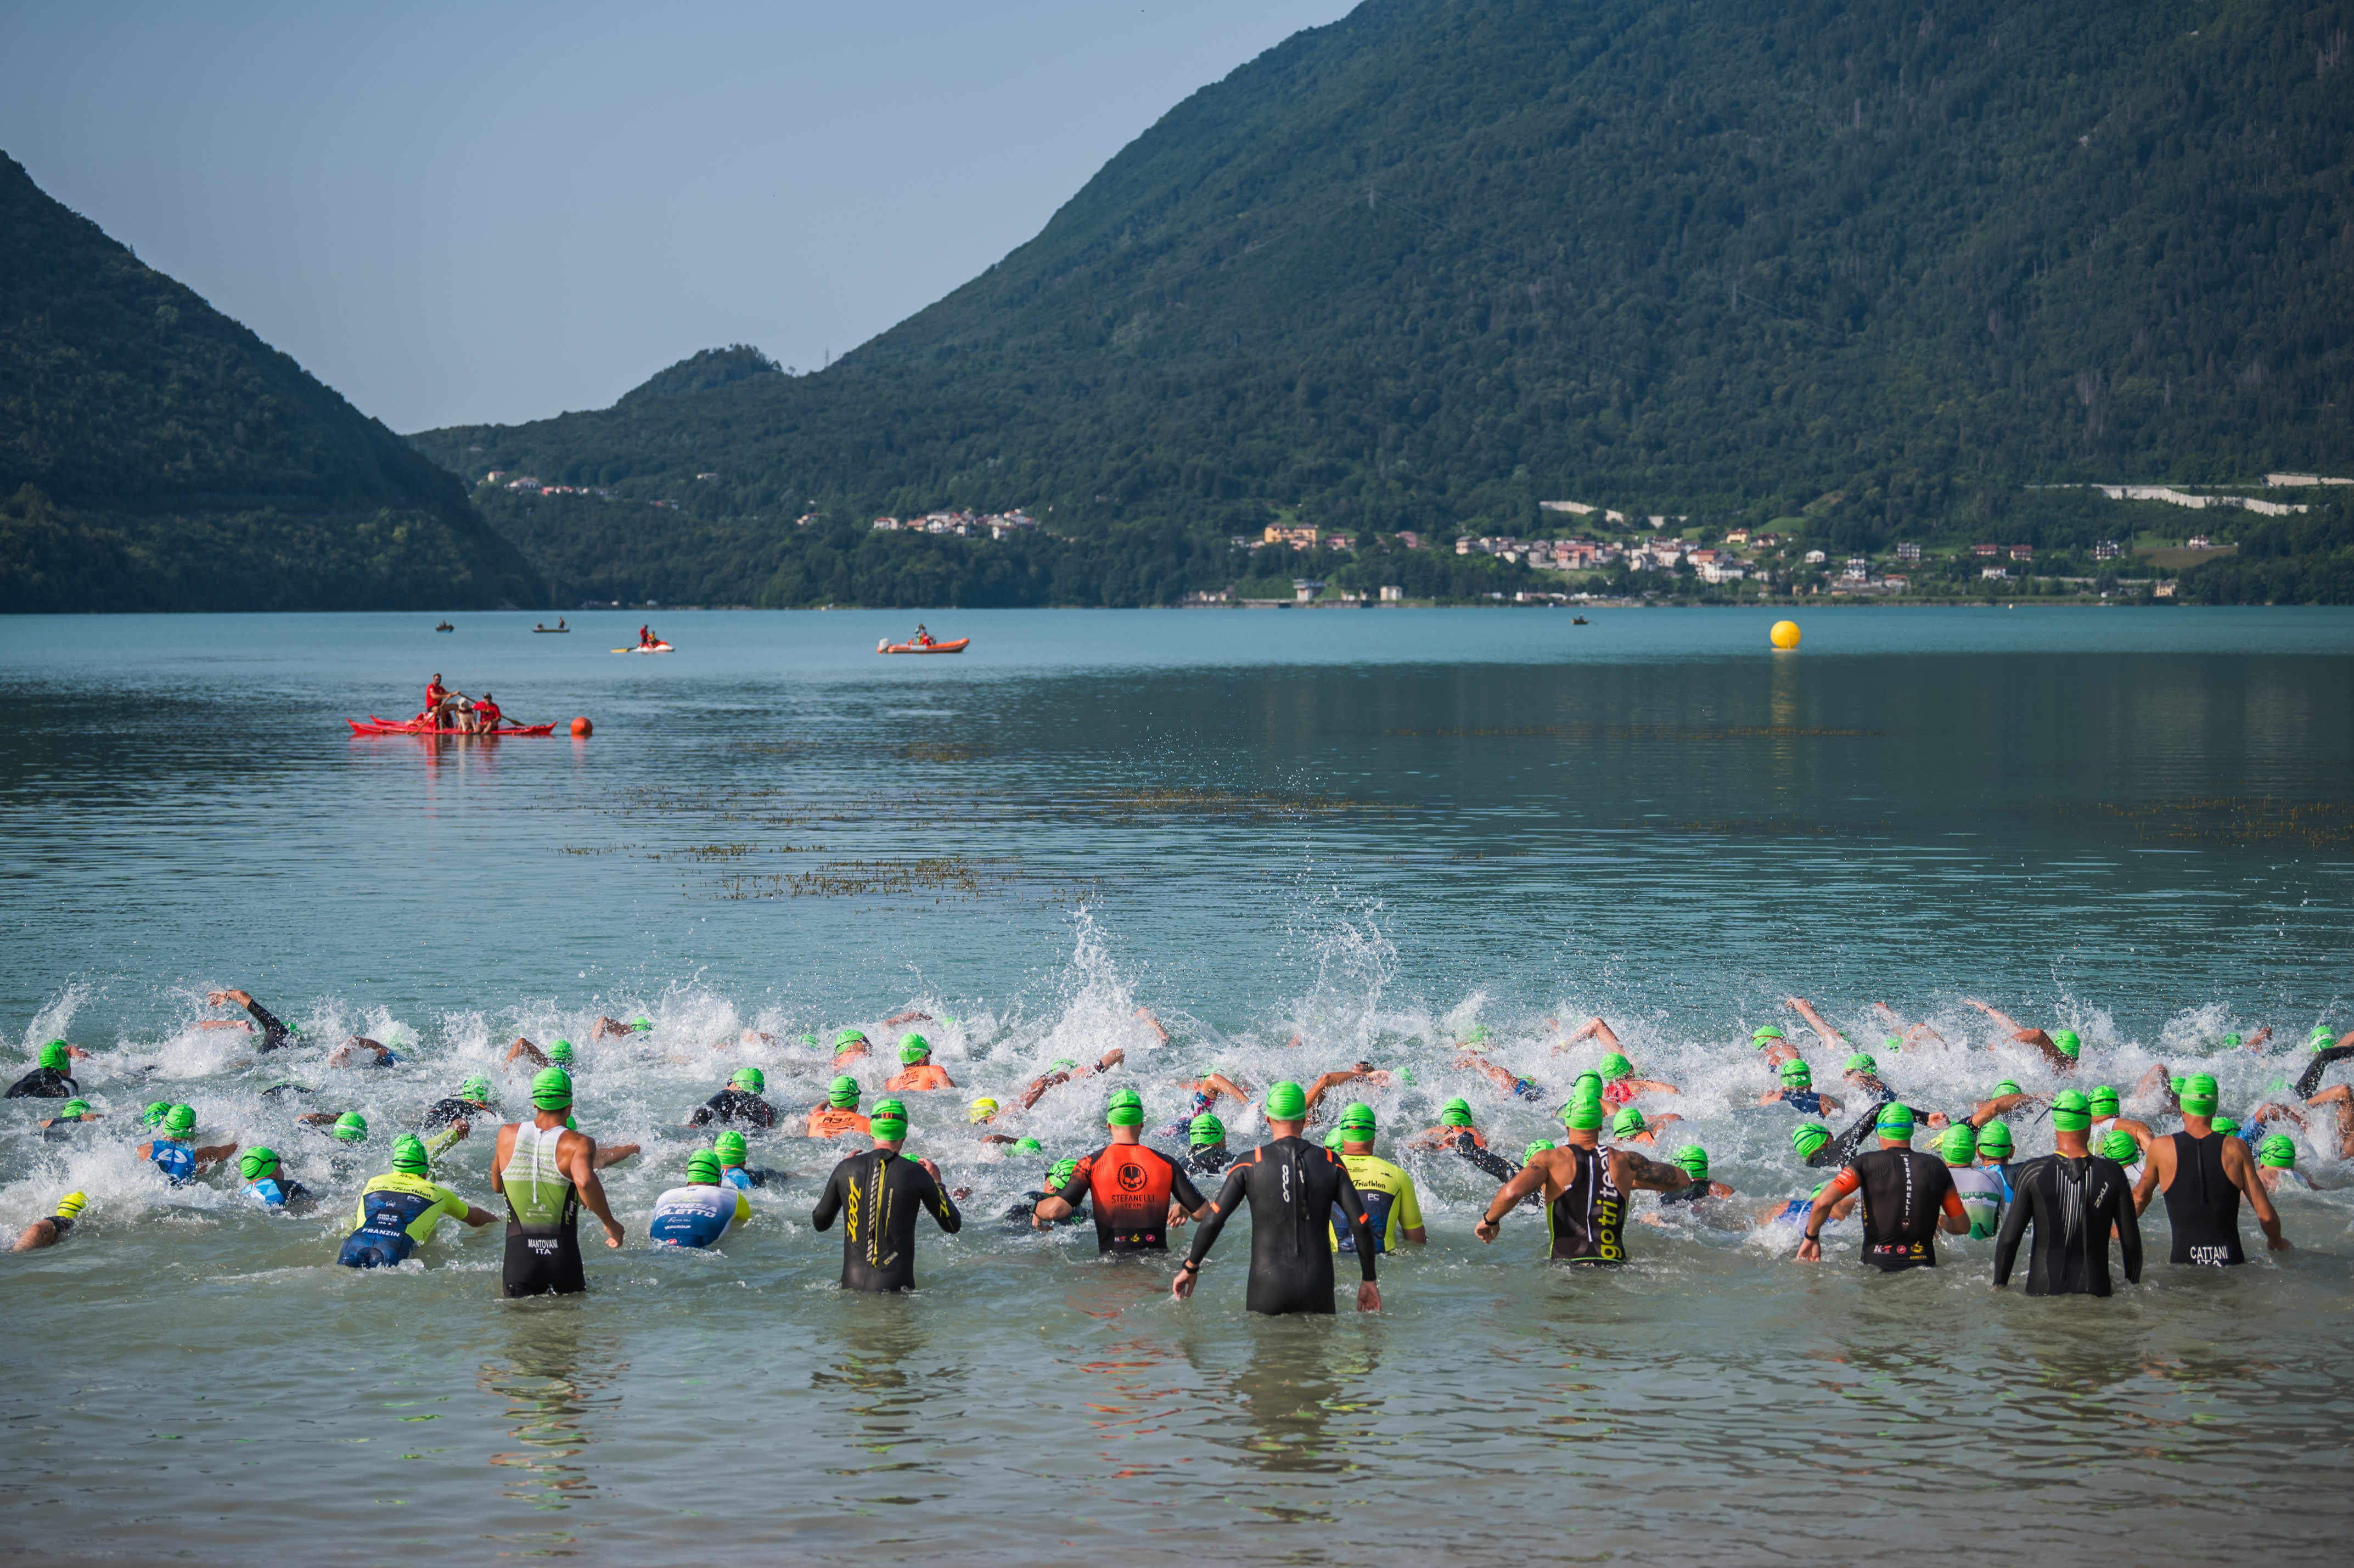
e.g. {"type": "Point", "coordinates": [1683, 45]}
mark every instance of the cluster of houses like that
{"type": "Point", "coordinates": [527, 483]}
{"type": "Point", "coordinates": [1714, 565]}
{"type": "Point", "coordinates": [964, 525]}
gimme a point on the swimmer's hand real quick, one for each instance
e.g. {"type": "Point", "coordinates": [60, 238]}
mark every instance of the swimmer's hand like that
{"type": "Point", "coordinates": [1182, 1288]}
{"type": "Point", "coordinates": [1810, 1250]}
{"type": "Point", "coordinates": [1369, 1296]}
{"type": "Point", "coordinates": [613, 1234]}
{"type": "Point", "coordinates": [1486, 1230]}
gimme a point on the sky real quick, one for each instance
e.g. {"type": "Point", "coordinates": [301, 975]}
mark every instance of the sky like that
{"type": "Point", "coordinates": [497, 212]}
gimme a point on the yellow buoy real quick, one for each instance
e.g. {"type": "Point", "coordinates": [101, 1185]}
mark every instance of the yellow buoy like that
{"type": "Point", "coordinates": [1784, 634]}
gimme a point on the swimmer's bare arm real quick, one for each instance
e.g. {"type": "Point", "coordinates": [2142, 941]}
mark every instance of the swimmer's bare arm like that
{"type": "Point", "coordinates": [1502, 1079]}
{"type": "Point", "coordinates": [1153, 1023]}
{"type": "Point", "coordinates": [1218, 1083]}
{"type": "Point", "coordinates": [911, 1016]}
{"type": "Point", "coordinates": [2156, 1172]}
{"type": "Point", "coordinates": [1530, 1178]}
{"type": "Point", "coordinates": [613, 1154]}
{"type": "Point", "coordinates": [1592, 1028]}
{"type": "Point", "coordinates": [1650, 1087]}
{"type": "Point", "coordinates": [1986, 1111]}
{"type": "Point", "coordinates": [1630, 1168]}
{"type": "Point", "coordinates": [1326, 1081]}
{"type": "Point", "coordinates": [478, 1218]}
{"type": "Point", "coordinates": [213, 1154]}
{"type": "Point", "coordinates": [2241, 1170]}
{"type": "Point", "coordinates": [2256, 1042]}
{"type": "Point", "coordinates": [576, 1154]}
{"type": "Point", "coordinates": [522, 1047]}
{"type": "Point", "coordinates": [1829, 1035]}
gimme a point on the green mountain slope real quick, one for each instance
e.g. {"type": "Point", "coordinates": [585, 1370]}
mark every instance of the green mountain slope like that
{"type": "Point", "coordinates": [156, 455]}
{"type": "Point", "coordinates": [1444, 258]}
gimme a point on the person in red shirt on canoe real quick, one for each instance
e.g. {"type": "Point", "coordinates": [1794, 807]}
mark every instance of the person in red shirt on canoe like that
{"type": "Point", "coordinates": [486, 715]}
{"type": "Point", "coordinates": [437, 697]}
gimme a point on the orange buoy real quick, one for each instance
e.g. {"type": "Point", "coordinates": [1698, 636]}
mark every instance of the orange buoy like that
{"type": "Point", "coordinates": [582, 728]}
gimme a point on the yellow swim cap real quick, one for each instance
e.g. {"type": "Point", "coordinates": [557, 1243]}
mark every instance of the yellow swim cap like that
{"type": "Point", "coordinates": [70, 1205]}
{"type": "Point", "coordinates": [980, 1109]}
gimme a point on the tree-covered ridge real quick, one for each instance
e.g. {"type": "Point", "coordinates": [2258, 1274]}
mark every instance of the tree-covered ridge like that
{"type": "Point", "coordinates": [703, 372]}
{"type": "Point", "coordinates": [160, 456]}
{"type": "Point", "coordinates": [1444, 259]}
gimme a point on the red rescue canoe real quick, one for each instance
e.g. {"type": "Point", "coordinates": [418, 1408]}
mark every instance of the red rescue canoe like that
{"type": "Point", "coordinates": [956, 647]}
{"type": "Point", "coordinates": [376, 725]}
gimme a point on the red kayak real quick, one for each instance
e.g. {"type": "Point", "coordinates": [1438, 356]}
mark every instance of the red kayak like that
{"type": "Point", "coordinates": [956, 647]}
{"type": "Point", "coordinates": [376, 725]}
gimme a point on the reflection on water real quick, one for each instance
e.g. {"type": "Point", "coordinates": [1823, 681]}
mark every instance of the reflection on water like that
{"type": "Point", "coordinates": [556, 1388]}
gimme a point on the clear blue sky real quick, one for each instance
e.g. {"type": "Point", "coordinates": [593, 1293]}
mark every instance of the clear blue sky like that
{"type": "Point", "coordinates": [497, 212]}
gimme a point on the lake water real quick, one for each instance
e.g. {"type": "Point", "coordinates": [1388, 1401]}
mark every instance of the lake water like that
{"type": "Point", "coordinates": [1369, 830]}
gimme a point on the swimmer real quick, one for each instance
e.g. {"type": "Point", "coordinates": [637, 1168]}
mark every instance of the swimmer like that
{"type": "Point", "coordinates": [350, 1127]}
{"type": "Point", "coordinates": [2120, 1147]}
{"type": "Point", "coordinates": [2338, 1096]}
{"type": "Point", "coordinates": [2204, 1173]}
{"type": "Point", "coordinates": [728, 1148]}
{"type": "Point", "coordinates": [2005, 1099]}
{"type": "Point", "coordinates": [1138, 1192]}
{"type": "Point", "coordinates": [1908, 1197]}
{"type": "Point", "coordinates": [1585, 1188]}
{"type": "Point", "coordinates": [546, 1170]}
{"type": "Point", "coordinates": [1205, 1146]}
{"type": "Point", "coordinates": [916, 1070]}
{"type": "Point", "coordinates": [1692, 1158]}
{"type": "Point", "coordinates": [1903, 1037]}
{"type": "Point", "coordinates": [399, 1211]}
{"type": "Point", "coordinates": [2061, 1050]}
{"type": "Point", "coordinates": [1823, 1031]}
{"type": "Point", "coordinates": [557, 1056]}
{"type": "Point", "coordinates": [981, 1111]}
{"type": "Point", "coordinates": [1860, 1071]}
{"type": "Point", "coordinates": [2105, 1105]}
{"type": "Point", "coordinates": [849, 1045]}
{"type": "Point", "coordinates": [1593, 1029]}
{"type": "Point", "coordinates": [739, 1102]}
{"type": "Point", "coordinates": [1454, 1131]}
{"type": "Point", "coordinates": [73, 1113]}
{"type": "Point", "coordinates": [347, 1054]}
{"type": "Point", "coordinates": [1982, 1193]}
{"type": "Point", "coordinates": [52, 1227]}
{"type": "Point", "coordinates": [1777, 1045]}
{"type": "Point", "coordinates": [839, 1114]}
{"type": "Point", "coordinates": [50, 1080]}
{"type": "Point", "coordinates": [2325, 1055]}
{"type": "Point", "coordinates": [1471, 1057]}
{"type": "Point", "coordinates": [1619, 1084]}
{"type": "Point", "coordinates": [176, 1153]}
{"type": "Point", "coordinates": [614, 1028]}
{"type": "Point", "coordinates": [1206, 1087]}
{"type": "Point", "coordinates": [884, 1193]}
{"type": "Point", "coordinates": [2276, 1164]}
{"type": "Point", "coordinates": [2073, 1198]}
{"type": "Point", "coordinates": [1797, 1092]}
{"type": "Point", "coordinates": [1994, 1156]}
{"type": "Point", "coordinates": [274, 1035]}
{"type": "Point", "coordinates": [270, 1186]}
{"type": "Point", "coordinates": [701, 1214]}
{"type": "Point", "coordinates": [1393, 1212]}
{"type": "Point", "coordinates": [1027, 1210]}
{"type": "Point", "coordinates": [1362, 1072]}
{"type": "Point", "coordinates": [1627, 1126]}
{"type": "Point", "coordinates": [474, 1098]}
{"type": "Point", "coordinates": [1065, 1070]}
{"type": "Point", "coordinates": [1293, 1188]}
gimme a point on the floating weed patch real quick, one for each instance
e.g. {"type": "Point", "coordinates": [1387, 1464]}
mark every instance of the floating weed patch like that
{"type": "Point", "coordinates": [1227, 803]}
{"type": "Point", "coordinates": [2240, 820]}
{"type": "Point", "coordinates": [1634, 732]}
{"type": "Point", "coordinates": [941, 751]}
{"type": "Point", "coordinates": [942, 876]}
{"type": "Point", "coordinates": [590, 849]}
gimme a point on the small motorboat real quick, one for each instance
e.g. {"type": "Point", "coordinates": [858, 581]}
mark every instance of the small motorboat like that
{"type": "Point", "coordinates": [552, 630]}
{"type": "Point", "coordinates": [445, 626]}
{"type": "Point", "coordinates": [1579, 620]}
{"type": "Point", "coordinates": [887, 646]}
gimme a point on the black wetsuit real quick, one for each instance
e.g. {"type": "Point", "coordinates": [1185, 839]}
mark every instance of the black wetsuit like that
{"type": "Point", "coordinates": [1025, 1211]}
{"type": "Point", "coordinates": [274, 1090]}
{"type": "Point", "coordinates": [732, 1106]}
{"type": "Point", "coordinates": [1292, 1185]}
{"type": "Point", "coordinates": [1841, 1149]}
{"type": "Point", "coordinates": [2309, 1083]}
{"type": "Point", "coordinates": [1487, 1160]}
{"type": "Point", "coordinates": [1586, 1220]}
{"type": "Point", "coordinates": [2203, 1204]}
{"type": "Point", "coordinates": [2073, 1201]}
{"type": "Point", "coordinates": [882, 1195]}
{"type": "Point", "coordinates": [1905, 1191]}
{"type": "Point", "coordinates": [274, 1034]}
{"type": "Point", "coordinates": [1209, 1160]}
{"type": "Point", "coordinates": [42, 1084]}
{"type": "Point", "coordinates": [441, 1113]}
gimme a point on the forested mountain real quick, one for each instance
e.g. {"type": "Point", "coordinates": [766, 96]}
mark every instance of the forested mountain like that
{"type": "Point", "coordinates": [156, 455]}
{"type": "Point", "coordinates": [1443, 259]}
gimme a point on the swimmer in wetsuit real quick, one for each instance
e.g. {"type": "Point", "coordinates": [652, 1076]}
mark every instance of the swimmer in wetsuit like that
{"type": "Point", "coordinates": [1026, 1211]}
{"type": "Point", "coordinates": [881, 1195]}
{"type": "Point", "coordinates": [176, 1153]}
{"type": "Point", "coordinates": [2204, 1173]}
{"type": "Point", "coordinates": [2074, 1199]}
{"type": "Point", "coordinates": [274, 1035]}
{"type": "Point", "coordinates": [1585, 1186]}
{"type": "Point", "coordinates": [267, 1185]}
{"type": "Point", "coordinates": [399, 1211]}
{"type": "Point", "coordinates": [546, 1170]}
{"type": "Point", "coordinates": [474, 1098]}
{"type": "Point", "coordinates": [918, 1072]}
{"type": "Point", "coordinates": [1908, 1197]}
{"type": "Point", "coordinates": [1292, 1187]}
{"type": "Point", "coordinates": [70, 1115]}
{"type": "Point", "coordinates": [1137, 1193]}
{"type": "Point", "coordinates": [738, 1103]}
{"type": "Point", "coordinates": [1454, 1131]}
{"type": "Point", "coordinates": [2324, 1053]}
{"type": "Point", "coordinates": [701, 1214]}
{"type": "Point", "coordinates": [50, 1080]}
{"type": "Point", "coordinates": [1205, 1146]}
{"type": "Point", "coordinates": [729, 1148]}
{"type": "Point", "coordinates": [52, 1227]}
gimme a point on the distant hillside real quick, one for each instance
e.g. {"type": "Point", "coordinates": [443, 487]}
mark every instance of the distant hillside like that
{"type": "Point", "coordinates": [156, 455]}
{"type": "Point", "coordinates": [1881, 264]}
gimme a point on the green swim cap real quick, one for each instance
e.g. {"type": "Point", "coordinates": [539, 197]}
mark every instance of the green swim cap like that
{"type": "Point", "coordinates": [1582, 1116]}
{"type": "Point", "coordinates": [2178, 1084]}
{"type": "Point", "coordinates": [1627, 1123]}
{"type": "Point", "coordinates": [1960, 1144]}
{"type": "Point", "coordinates": [2119, 1146]}
{"type": "Point", "coordinates": [408, 1155]}
{"type": "Point", "coordinates": [1894, 1042]}
{"type": "Point", "coordinates": [848, 1038]}
{"type": "Point", "coordinates": [1860, 1062]}
{"type": "Point", "coordinates": [1797, 1075]}
{"type": "Point", "coordinates": [74, 1108]}
{"type": "Point", "coordinates": [889, 1129]}
{"type": "Point", "coordinates": [560, 1053]}
{"type": "Point", "coordinates": [155, 1114]}
{"type": "Point", "coordinates": [980, 1109]}
{"type": "Point", "coordinates": [1125, 1109]}
{"type": "Point", "coordinates": [1533, 1150]}
{"type": "Point", "coordinates": [640, 1026]}
{"type": "Point", "coordinates": [2007, 1087]}
{"type": "Point", "coordinates": [477, 1089]}
{"type": "Point", "coordinates": [256, 1163]}
{"type": "Point", "coordinates": [913, 1048]}
{"type": "Point", "coordinates": [2231, 1042]}
{"type": "Point", "coordinates": [1476, 1034]}
{"type": "Point", "coordinates": [729, 1147]}
{"type": "Point", "coordinates": [1692, 1161]}
{"type": "Point", "coordinates": [842, 1093]}
{"type": "Point", "coordinates": [1455, 1113]}
{"type": "Point", "coordinates": [1063, 1172]}
{"type": "Point", "coordinates": [751, 1080]}
{"type": "Point", "coordinates": [1612, 1068]}
{"type": "Point", "coordinates": [703, 1168]}
{"type": "Point", "coordinates": [180, 1120]}
{"type": "Point", "coordinates": [2070, 1046]}
{"type": "Point", "coordinates": [1764, 1033]}
{"type": "Point", "coordinates": [55, 1057]}
{"type": "Point", "coordinates": [889, 1110]}
{"type": "Point", "coordinates": [1895, 1121]}
{"type": "Point", "coordinates": [350, 1128]}
{"type": "Point", "coordinates": [1807, 1136]}
{"type": "Point", "coordinates": [1207, 1131]}
{"type": "Point", "coordinates": [1061, 1064]}
{"type": "Point", "coordinates": [2224, 1124]}
{"type": "Point", "coordinates": [1286, 1101]}
{"type": "Point", "coordinates": [1029, 1146]}
{"type": "Point", "coordinates": [1358, 1119]}
{"type": "Point", "coordinates": [1586, 1086]}
{"type": "Point", "coordinates": [1332, 1140]}
{"type": "Point", "coordinates": [2104, 1101]}
{"type": "Point", "coordinates": [2070, 1112]}
{"type": "Point", "coordinates": [2321, 1037]}
{"type": "Point", "coordinates": [2277, 1150]}
{"type": "Point", "coordinates": [2198, 1095]}
{"type": "Point", "coordinates": [551, 1089]}
{"type": "Point", "coordinates": [1994, 1139]}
